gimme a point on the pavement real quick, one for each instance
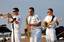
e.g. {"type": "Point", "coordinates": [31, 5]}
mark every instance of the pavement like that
{"type": "Point", "coordinates": [24, 39]}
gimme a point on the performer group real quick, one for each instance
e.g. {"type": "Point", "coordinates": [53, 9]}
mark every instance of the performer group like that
{"type": "Point", "coordinates": [34, 25]}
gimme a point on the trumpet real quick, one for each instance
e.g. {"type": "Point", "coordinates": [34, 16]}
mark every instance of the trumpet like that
{"type": "Point", "coordinates": [6, 16]}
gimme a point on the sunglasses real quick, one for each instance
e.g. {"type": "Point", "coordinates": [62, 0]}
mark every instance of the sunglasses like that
{"type": "Point", "coordinates": [48, 12]}
{"type": "Point", "coordinates": [14, 11]}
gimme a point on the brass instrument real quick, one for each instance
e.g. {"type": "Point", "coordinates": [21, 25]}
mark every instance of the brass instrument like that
{"type": "Point", "coordinates": [6, 16]}
{"type": "Point", "coordinates": [47, 24]}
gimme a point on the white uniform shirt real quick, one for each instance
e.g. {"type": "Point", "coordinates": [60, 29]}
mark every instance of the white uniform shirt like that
{"type": "Point", "coordinates": [33, 19]}
{"type": "Point", "coordinates": [49, 18]}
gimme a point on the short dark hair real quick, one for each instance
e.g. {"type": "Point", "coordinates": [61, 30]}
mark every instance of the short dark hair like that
{"type": "Point", "coordinates": [50, 9]}
{"type": "Point", "coordinates": [32, 8]}
{"type": "Point", "coordinates": [15, 10]}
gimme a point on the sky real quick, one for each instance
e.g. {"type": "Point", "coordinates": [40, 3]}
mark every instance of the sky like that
{"type": "Point", "coordinates": [40, 6]}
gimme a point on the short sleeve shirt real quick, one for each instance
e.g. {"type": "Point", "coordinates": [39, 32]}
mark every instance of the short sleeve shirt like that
{"type": "Point", "coordinates": [33, 19]}
{"type": "Point", "coordinates": [49, 18]}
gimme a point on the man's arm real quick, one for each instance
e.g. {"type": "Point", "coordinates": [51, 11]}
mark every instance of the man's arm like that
{"type": "Point", "coordinates": [57, 22]}
{"type": "Point", "coordinates": [36, 24]}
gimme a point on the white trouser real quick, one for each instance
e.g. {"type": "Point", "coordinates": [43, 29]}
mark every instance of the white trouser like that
{"type": "Point", "coordinates": [35, 35]}
{"type": "Point", "coordinates": [16, 36]}
{"type": "Point", "coordinates": [50, 35]}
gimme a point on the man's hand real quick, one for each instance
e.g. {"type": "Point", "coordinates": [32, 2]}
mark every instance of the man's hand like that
{"type": "Point", "coordinates": [57, 23]}
{"type": "Point", "coordinates": [35, 24]}
{"type": "Point", "coordinates": [16, 22]}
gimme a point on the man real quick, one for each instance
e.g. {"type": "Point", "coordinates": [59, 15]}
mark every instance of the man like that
{"type": "Point", "coordinates": [51, 22]}
{"type": "Point", "coordinates": [34, 23]}
{"type": "Point", "coordinates": [15, 23]}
